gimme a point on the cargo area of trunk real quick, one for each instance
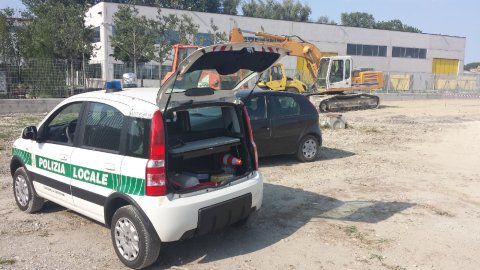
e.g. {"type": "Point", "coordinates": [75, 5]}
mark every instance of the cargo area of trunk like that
{"type": "Point", "coordinates": [206, 147]}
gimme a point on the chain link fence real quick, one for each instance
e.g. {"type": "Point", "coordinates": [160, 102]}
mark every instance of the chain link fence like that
{"type": "Point", "coordinates": [46, 78]}
{"type": "Point", "coordinates": [397, 82]}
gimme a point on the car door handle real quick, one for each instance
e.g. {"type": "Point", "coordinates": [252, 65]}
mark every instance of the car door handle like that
{"type": "Point", "coordinates": [63, 157]}
{"type": "Point", "coordinates": [109, 166]}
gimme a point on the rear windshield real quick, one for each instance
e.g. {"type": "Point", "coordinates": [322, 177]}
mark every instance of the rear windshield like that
{"type": "Point", "coordinates": [202, 122]}
{"type": "Point", "coordinates": [208, 78]}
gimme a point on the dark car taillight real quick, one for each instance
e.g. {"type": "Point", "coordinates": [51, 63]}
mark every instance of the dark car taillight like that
{"type": "Point", "coordinates": [250, 134]}
{"type": "Point", "coordinates": [155, 178]}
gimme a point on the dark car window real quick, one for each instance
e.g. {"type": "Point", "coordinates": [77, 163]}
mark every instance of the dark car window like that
{"type": "Point", "coordinates": [256, 108]}
{"type": "Point", "coordinates": [284, 106]}
{"type": "Point", "coordinates": [61, 128]}
{"type": "Point", "coordinates": [103, 126]}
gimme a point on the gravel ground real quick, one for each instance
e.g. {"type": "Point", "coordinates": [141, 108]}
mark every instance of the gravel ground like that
{"type": "Point", "coordinates": [397, 189]}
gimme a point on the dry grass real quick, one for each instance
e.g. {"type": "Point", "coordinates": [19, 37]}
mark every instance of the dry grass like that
{"type": "Point", "coordinates": [11, 127]}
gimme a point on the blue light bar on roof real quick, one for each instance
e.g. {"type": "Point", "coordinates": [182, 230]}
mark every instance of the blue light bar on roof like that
{"type": "Point", "coordinates": [113, 86]}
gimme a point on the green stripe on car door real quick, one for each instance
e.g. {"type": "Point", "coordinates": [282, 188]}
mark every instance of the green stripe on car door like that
{"type": "Point", "coordinates": [109, 180]}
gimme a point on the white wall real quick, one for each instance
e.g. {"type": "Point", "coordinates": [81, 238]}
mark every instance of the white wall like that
{"type": "Point", "coordinates": [328, 38]}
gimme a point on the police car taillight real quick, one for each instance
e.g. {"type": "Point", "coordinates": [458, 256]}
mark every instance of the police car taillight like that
{"type": "Point", "coordinates": [155, 178]}
{"type": "Point", "coordinates": [254, 146]}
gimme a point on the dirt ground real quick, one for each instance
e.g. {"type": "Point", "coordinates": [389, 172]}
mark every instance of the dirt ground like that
{"type": "Point", "coordinates": [398, 189]}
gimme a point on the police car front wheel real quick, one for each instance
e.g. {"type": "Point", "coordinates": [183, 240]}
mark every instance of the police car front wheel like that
{"type": "Point", "coordinates": [135, 245]}
{"type": "Point", "coordinates": [25, 196]}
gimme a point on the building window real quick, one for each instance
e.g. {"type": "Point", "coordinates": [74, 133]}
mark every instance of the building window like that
{"type": "Point", "coordinates": [119, 69]}
{"type": "Point", "coordinates": [366, 50]}
{"type": "Point", "coordinates": [404, 52]}
{"type": "Point", "coordinates": [94, 71]}
{"type": "Point", "coordinates": [144, 71]}
{"type": "Point", "coordinates": [204, 39]}
{"type": "Point", "coordinates": [149, 72]}
{"type": "Point", "coordinates": [96, 34]}
{"type": "Point", "coordinates": [172, 37]}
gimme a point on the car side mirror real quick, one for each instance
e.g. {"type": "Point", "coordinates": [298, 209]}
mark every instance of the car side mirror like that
{"type": "Point", "coordinates": [29, 133]}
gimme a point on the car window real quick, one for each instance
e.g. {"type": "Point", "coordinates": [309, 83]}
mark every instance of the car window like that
{"type": "Point", "coordinates": [256, 108]}
{"type": "Point", "coordinates": [61, 128]}
{"type": "Point", "coordinates": [103, 126]}
{"type": "Point", "coordinates": [138, 138]}
{"type": "Point", "coordinates": [284, 106]}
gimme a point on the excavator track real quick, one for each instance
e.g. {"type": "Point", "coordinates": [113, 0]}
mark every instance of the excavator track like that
{"type": "Point", "coordinates": [348, 102]}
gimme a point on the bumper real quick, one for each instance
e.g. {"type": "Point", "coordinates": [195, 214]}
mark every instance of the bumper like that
{"type": "Point", "coordinates": [173, 216]}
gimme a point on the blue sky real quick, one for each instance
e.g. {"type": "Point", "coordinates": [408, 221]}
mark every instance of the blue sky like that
{"type": "Point", "coordinates": [447, 17]}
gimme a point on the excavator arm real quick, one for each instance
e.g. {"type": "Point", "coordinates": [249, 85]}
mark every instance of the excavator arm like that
{"type": "Point", "coordinates": [295, 44]}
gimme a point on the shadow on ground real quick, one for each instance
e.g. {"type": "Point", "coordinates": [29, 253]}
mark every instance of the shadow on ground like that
{"type": "Point", "coordinates": [326, 153]}
{"type": "Point", "coordinates": [285, 210]}
{"type": "Point", "coordinates": [51, 207]}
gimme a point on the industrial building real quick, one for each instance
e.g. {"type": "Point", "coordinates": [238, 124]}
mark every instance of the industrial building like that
{"type": "Point", "coordinates": [388, 51]}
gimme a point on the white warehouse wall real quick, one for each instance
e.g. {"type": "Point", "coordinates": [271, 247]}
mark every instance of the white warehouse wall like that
{"type": "Point", "coordinates": [328, 38]}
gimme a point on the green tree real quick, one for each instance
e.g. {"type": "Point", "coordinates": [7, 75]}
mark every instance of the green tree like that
{"type": "Point", "coordinates": [193, 5]}
{"type": "Point", "coordinates": [396, 25]}
{"type": "Point", "coordinates": [325, 20]}
{"type": "Point", "coordinates": [288, 10]}
{"type": "Point", "coordinates": [56, 30]}
{"type": "Point", "coordinates": [358, 19]}
{"type": "Point", "coordinates": [230, 6]}
{"type": "Point", "coordinates": [218, 37]}
{"type": "Point", "coordinates": [134, 38]}
{"type": "Point", "coordinates": [473, 65]}
{"type": "Point", "coordinates": [408, 28]}
{"type": "Point", "coordinates": [173, 29]}
{"type": "Point", "coordinates": [138, 39]}
{"type": "Point", "coordinates": [9, 47]}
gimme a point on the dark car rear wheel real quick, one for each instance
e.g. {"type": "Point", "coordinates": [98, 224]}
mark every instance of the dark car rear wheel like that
{"type": "Point", "coordinates": [308, 149]}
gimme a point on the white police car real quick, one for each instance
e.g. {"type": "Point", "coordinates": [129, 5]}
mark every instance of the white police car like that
{"type": "Point", "coordinates": [154, 166]}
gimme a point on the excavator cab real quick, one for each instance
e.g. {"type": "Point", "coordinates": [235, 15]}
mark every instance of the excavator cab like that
{"type": "Point", "coordinates": [334, 72]}
{"type": "Point", "coordinates": [274, 78]}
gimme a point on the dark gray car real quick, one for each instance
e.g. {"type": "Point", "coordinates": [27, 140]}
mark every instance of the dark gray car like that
{"type": "Point", "coordinates": [283, 123]}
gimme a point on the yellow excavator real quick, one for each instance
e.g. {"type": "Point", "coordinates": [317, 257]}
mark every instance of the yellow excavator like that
{"type": "Point", "coordinates": [275, 78]}
{"type": "Point", "coordinates": [333, 79]}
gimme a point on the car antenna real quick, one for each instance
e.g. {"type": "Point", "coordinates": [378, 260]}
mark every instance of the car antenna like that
{"type": "Point", "coordinates": [171, 92]}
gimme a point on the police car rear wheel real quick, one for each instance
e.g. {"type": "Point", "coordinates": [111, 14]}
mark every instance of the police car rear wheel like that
{"type": "Point", "coordinates": [25, 196]}
{"type": "Point", "coordinates": [136, 246]}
